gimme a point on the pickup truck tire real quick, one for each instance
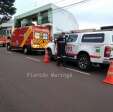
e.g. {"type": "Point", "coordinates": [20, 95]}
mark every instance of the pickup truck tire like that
{"type": "Point", "coordinates": [84, 62]}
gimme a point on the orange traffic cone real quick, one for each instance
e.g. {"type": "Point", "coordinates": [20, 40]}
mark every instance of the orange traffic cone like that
{"type": "Point", "coordinates": [109, 77]}
{"type": "Point", "coordinates": [46, 57]}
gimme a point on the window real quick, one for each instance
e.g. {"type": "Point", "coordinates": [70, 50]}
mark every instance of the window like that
{"type": "Point", "coordinates": [37, 35]}
{"type": "Point", "coordinates": [18, 23]}
{"type": "Point", "coordinates": [44, 16]}
{"type": "Point", "coordinates": [93, 38]}
{"type": "Point", "coordinates": [72, 38]}
{"type": "Point", "coordinates": [45, 36]}
{"type": "Point", "coordinates": [41, 35]}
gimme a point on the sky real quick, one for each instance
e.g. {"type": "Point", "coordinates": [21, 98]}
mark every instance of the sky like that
{"type": "Point", "coordinates": [91, 14]}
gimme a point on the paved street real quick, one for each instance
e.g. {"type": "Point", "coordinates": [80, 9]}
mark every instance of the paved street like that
{"type": "Point", "coordinates": [29, 85]}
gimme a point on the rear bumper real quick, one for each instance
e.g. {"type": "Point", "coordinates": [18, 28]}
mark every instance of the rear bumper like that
{"type": "Point", "coordinates": [107, 61]}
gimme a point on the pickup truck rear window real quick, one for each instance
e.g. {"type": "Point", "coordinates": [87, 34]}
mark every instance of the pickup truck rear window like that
{"type": "Point", "coordinates": [93, 38]}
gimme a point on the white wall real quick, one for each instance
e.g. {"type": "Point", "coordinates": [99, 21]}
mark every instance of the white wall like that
{"type": "Point", "coordinates": [63, 21]}
{"type": "Point", "coordinates": [9, 23]}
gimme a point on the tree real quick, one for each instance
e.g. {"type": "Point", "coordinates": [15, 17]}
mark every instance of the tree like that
{"type": "Point", "coordinates": [7, 9]}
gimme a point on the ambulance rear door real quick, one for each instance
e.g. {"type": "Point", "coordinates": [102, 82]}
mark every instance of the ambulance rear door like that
{"type": "Point", "coordinates": [40, 37]}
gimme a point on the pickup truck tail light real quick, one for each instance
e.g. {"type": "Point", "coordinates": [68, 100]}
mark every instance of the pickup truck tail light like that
{"type": "Point", "coordinates": [107, 51]}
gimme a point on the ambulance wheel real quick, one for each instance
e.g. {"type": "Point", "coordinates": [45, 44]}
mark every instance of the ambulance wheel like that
{"type": "Point", "coordinates": [4, 45]}
{"type": "Point", "coordinates": [84, 62]}
{"type": "Point", "coordinates": [26, 50]}
{"type": "Point", "coordinates": [8, 47]}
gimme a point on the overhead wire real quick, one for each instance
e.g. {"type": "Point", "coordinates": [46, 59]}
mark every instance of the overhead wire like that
{"type": "Point", "coordinates": [73, 4]}
{"type": "Point", "coordinates": [58, 9]}
{"type": "Point", "coordinates": [59, 1]}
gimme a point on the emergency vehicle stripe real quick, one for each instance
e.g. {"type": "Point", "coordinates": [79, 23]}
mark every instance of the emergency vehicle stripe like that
{"type": "Point", "coordinates": [26, 35]}
{"type": "Point", "coordinates": [91, 56]}
{"type": "Point", "coordinates": [42, 43]}
{"type": "Point", "coordinates": [95, 56]}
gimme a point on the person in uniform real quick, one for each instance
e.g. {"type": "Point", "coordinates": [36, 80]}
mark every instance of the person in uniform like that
{"type": "Point", "coordinates": [61, 42]}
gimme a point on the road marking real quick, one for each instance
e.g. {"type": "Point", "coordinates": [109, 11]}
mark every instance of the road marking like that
{"type": "Point", "coordinates": [33, 59]}
{"type": "Point", "coordinates": [9, 52]}
{"type": "Point", "coordinates": [88, 74]}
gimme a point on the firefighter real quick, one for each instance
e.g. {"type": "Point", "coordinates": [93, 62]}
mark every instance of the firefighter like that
{"type": "Point", "coordinates": [61, 42]}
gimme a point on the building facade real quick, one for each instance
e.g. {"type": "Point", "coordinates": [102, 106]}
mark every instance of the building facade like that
{"type": "Point", "coordinates": [58, 19]}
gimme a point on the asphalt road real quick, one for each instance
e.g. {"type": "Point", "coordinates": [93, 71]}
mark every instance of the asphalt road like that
{"type": "Point", "coordinates": [29, 85]}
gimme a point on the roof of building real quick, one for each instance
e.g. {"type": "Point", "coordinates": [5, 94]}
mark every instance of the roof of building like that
{"type": "Point", "coordinates": [35, 11]}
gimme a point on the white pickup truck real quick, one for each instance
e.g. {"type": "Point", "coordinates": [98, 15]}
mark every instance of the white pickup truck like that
{"type": "Point", "coordinates": [87, 48]}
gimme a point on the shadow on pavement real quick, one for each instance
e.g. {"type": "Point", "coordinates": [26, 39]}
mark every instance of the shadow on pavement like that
{"type": "Point", "coordinates": [95, 69]}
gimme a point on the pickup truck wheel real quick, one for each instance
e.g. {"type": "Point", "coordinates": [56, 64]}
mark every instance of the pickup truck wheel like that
{"type": "Point", "coordinates": [84, 62]}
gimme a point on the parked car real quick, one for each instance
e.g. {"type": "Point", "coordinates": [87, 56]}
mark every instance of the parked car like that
{"type": "Point", "coordinates": [87, 48]}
